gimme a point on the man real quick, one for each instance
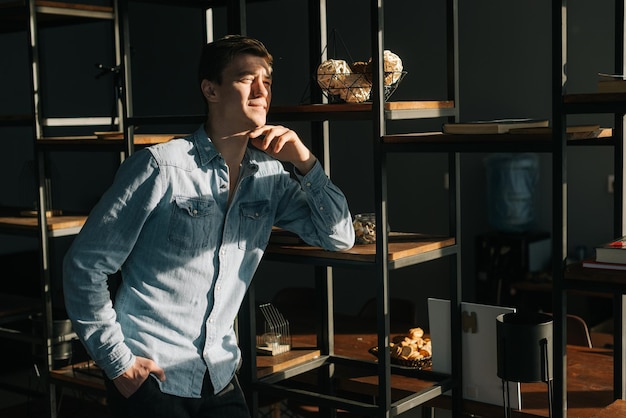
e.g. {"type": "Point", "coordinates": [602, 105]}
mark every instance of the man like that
{"type": "Point", "coordinates": [186, 223]}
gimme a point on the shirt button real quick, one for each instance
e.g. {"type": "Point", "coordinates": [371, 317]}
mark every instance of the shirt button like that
{"type": "Point", "coordinates": [321, 207]}
{"type": "Point", "coordinates": [211, 321]}
{"type": "Point", "coordinates": [195, 211]}
{"type": "Point", "coordinates": [218, 288]}
{"type": "Point", "coordinates": [308, 184]}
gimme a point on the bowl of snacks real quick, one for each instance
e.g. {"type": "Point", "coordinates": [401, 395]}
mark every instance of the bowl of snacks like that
{"type": "Point", "coordinates": [412, 350]}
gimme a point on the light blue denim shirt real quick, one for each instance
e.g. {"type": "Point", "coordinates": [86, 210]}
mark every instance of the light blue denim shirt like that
{"type": "Point", "coordinates": [186, 256]}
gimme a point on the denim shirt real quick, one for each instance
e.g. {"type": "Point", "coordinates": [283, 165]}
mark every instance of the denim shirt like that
{"type": "Point", "coordinates": [187, 256]}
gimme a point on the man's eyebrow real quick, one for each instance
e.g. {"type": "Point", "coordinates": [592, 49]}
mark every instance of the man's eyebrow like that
{"type": "Point", "coordinates": [244, 73]}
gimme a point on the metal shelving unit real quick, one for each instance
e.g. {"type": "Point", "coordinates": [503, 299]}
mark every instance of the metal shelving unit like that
{"type": "Point", "coordinates": [566, 278]}
{"type": "Point", "coordinates": [554, 144]}
{"type": "Point", "coordinates": [382, 257]}
{"type": "Point", "coordinates": [31, 16]}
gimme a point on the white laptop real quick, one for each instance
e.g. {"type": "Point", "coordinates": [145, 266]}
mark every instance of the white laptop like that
{"type": "Point", "coordinates": [480, 369]}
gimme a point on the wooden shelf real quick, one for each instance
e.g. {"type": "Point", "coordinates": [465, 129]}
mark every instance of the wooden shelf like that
{"type": "Point", "coordinates": [14, 15]}
{"type": "Point", "coordinates": [266, 365]}
{"type": "Point", "coordinates": [425, 137]}
{"type": "Point", "coordinates": [85, 374]}
{"type": "Point", "coordinates": [327, 111]}
{"type": "Point", "coordinates": [367, 252]}
{"type": "Point", "coordinates": [595, 98]}
{"type": "Point", "coordinates": [339, 111]}
{"type": "Point", "coordinates": [479, 143]}
{"type": "Point", "coordinates": [90, 375]}
{"type": "Point", "coordinates": [92, 141]}
{"type": "Point", "coordinates": [598, 278]}
{"type": "Point", "coordinates": [352, 347]}
{"type": "Point", "coordinates": [595, 103]}
{"type": "Point", "coordinates": [57, 225]}
{"type": "Point", "coordinates": [193, 3]}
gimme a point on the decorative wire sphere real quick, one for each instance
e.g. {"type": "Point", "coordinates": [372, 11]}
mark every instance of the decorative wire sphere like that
{"type": "Point", "coordinates": [356, 87]}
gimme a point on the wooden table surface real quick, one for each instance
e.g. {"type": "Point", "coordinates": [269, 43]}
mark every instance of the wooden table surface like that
{"type": "Point", "coordinates": [589, 378]}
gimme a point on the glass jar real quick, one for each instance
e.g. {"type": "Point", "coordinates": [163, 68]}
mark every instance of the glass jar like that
{"type": "Point", "coordinates": [365, 228]}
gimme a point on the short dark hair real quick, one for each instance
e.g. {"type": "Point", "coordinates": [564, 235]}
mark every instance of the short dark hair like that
{"type": "Point", "coordinates": [218, 54]}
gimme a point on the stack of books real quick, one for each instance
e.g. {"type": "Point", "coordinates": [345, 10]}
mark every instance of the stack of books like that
{"type": "Point", "coordinates": [609, 256]}
{"type": "Point", "coordinates": [611, 83]}
{"type": "Point", "coordinates": [495, 126]}
{"type": "Point", "coordinates": [521, 126]}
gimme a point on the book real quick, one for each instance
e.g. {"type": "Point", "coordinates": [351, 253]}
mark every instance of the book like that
{"type": "Point", "coordinates": [571, 132]}
{"type": "Point", "coordinates": [494, 126]}
{"type": "Point", "coordinates": [593, 264]}
{"type": "Point", "coordinates": [611, 83]}
{"type": "Point", "coordinates": [612, 252]}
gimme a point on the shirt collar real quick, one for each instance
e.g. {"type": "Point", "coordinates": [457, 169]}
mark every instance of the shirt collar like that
{"type": "Point", "coordinates": [204, 146]}
{"type": "Point", "coordinates": [207, 152]}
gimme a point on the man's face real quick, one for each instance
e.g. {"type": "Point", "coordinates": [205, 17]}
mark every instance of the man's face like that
{"type": "Point", "coordinates": [243, 98]}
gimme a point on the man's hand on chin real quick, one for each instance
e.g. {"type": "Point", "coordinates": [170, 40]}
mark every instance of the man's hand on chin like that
{"type": "Point", "coordinates": [283, 144]}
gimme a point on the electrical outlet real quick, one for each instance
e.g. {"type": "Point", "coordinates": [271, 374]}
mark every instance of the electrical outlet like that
{"type": "Point", "coordinates": [610, 183]}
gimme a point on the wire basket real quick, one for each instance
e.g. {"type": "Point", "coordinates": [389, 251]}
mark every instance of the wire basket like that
{"type": "Point", "coordinates": [356, 87]}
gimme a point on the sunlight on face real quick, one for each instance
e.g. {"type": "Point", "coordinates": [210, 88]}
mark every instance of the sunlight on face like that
{"type": "Point", "coordinates": [246, 90]}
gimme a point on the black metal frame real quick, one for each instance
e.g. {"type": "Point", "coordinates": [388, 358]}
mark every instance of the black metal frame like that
{"type": "Point", "coordinates": [562, 105]}
{"type": "Point", "coordinates": [384, 406]}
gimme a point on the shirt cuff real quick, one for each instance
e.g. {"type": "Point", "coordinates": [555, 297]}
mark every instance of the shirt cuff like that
{"type": "Point", "coordinates": [316, 178]}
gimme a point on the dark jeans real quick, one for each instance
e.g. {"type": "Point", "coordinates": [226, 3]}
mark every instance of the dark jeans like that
{"type": "Point", "coordinates": [150, 402]}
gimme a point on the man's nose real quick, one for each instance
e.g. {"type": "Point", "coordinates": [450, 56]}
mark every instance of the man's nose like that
{"type": "Point", "coordinates": [260, 89]}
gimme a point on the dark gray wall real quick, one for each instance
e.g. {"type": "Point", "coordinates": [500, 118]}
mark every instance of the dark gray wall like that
{"type": "Point", "coordinates": [505, 72]}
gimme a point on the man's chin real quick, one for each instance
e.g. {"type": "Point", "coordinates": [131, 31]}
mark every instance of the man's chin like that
{"type": "Point", "coordinates": [259, 121]}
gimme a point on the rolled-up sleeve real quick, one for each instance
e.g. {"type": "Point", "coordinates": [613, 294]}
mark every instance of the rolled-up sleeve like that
{"type": "Point", "coordinates": [317, 210]}
{"type": "Point", "coordinates": [99, 251]}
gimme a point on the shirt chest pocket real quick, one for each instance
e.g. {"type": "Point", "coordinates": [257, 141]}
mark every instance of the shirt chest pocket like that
{"type": "Point", "coordinates": [255, 225]}
{"type": "Point", "coordinates": [191, 222]}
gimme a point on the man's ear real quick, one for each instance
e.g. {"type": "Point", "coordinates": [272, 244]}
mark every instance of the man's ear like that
{"type": "Point", "coordinates": [208, 90]}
